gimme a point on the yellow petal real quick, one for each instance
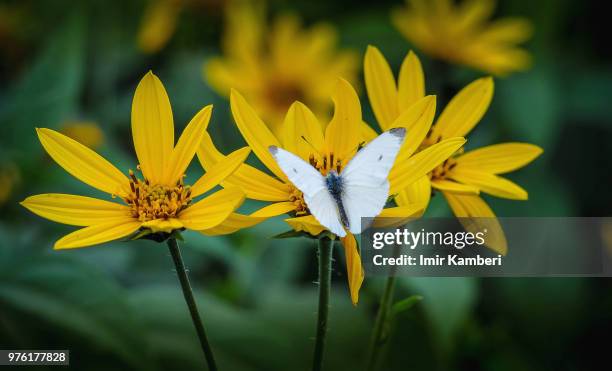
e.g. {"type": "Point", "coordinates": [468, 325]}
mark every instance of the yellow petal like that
{"type": "Point", "coordinates": [74, 210]}
{"type": "Point", "coordinates": [237, 221]}
{"type": "Point", "coordinates": [418, 192]}
{"type": "Point", "coordinates": [411, 82]}
{"type": "Point", "coordinates": [158, 25]}
{"type": "Point", "coordinates": [222, 75]}
{"type": "Point", "coordinates": [255, 132]}
{"type": "Point", "coordinates": [367, 133]}
{"type": "Point", "coordinates": [245, 23]}
{"type": "Point", "coordinates": [98, 233]}
{"type": "Point", "coordinates": [163, 225]}
{"type": "Point", "coordinates": [476, 216]}
{"type": "Point", "coordinates": [212, 210]}
{"type": "Point", "coordinates": [417, 120]}
{"type": "Point", "coordinates": [507, 30]}
{"type": "Point", "coordinates": [490, 183]}
{"type": "Point", "coordinates": [471, 14]}
{"type": "Point", "coordinates": [220, 171]}
{"type": "Point", "coordinates": [406, 172]}
{"type": "Point", "coordinates": [499, 158]}
{"type": "Point", "coordinates": [187, 145]}
{"type": "Point", "coordinates": [256, 184]}
{"type": "Point", "coordinates": [302, 132]}
{"type": "Point", "coordinates": [342, 135]}
{"type": "Point", "coordinates": [465, 109]}
{"type": "Point", "coordinates": [354, 269]}
{"type": "Point", "coordinates": [306, 224]}
{"type": "Point", "coordinates": [152, 127]}
{"type": "Point", "coordinates": [381, 88]}
{"type": "Point", "coordinates": [394, 217]}
{"type": "Point", "coordinates": [454, 187]}
{"type": "Point", "coordinates": [83, 163]}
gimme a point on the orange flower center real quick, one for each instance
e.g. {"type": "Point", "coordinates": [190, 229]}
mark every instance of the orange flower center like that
{"type": "Point", "coordinates": [326, 163]}
{"type": "Point", "coordinates": [281, 94]}
{"type": "Point", "coordinates": [442, 170]}
{"type": "Point", "coordinates": [154, 201]}
{"type": "Point", "coordinates": [430, 139]}
{"type": "Point", "coordinates": [297, 197]}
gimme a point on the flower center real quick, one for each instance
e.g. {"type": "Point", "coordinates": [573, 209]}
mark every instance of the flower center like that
{"type": "Point", "coordinates": [327, 163]}
{"type": "Point", "coordinates": [442, 170]}
{"type": "Point", "coordinates": [297, 197]}
{"type": "Point", "coordinates": [154, 201]}
{"type": "Point", "coordinates": [430, 139]}
{"type": "Point", "coordinates": [281, 94]}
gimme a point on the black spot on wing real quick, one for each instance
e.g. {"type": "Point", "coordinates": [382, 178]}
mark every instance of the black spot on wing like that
{"type": "Point", "coordinates": [398, 132]}
{"type": "Point", "coordinates": [295, 170]}
{"type": "Point", "coordinates": [380, 157]}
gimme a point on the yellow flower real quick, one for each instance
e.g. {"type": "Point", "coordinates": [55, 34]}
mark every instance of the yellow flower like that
{"type": "Point", "coordinates": [460, 33]}
{"type": "Point", "coordinates": [86, 133]}
{"type": "Point", "coordinates": [326, 148]}
{"type": "Point", "coordinates": [159, 202]}
{"type": "Point", "coordinates": [277, 65]}
{"type": "Point", "coordinates": [463, 176]}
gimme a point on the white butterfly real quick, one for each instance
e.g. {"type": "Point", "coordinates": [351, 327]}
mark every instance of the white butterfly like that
{"type": "Point", "coordinates": [339, 201]}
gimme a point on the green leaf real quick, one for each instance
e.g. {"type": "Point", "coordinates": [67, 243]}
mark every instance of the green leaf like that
{"type": "Point", "coordinates": [405, 304]}
{"type": "Point", "coordinates": [70, 296]}
{"type": "Point", "coordinates": [49, 92]}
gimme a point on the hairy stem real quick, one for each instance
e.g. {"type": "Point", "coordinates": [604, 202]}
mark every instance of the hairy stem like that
{"type": "Point", "coordinates": [325, 258]}
{"type": "Point", "coordinates": [191, 304]}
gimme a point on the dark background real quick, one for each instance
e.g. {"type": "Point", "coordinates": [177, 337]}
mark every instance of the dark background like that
{"type": "Point", "coordinates": [118, 306]}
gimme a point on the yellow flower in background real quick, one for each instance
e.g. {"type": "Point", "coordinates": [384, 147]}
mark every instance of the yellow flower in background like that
{"type": "Point", "coordinates": [461, 33]}
{"type": "Point", "coordinates": [87, 133]}
{"type": "Point", "coordinates": [157, 203]}
{"type": "Point", "coordinates": [158, 24]}
{"type": "Point", "coordinates": [463, 176]}
{"type": "Point", "coordinates": [9, 177]}
{"type": "Point", "coordinates": [325, 147]}
{"type": "Point", "coordinates": [277, 64]}
{"type": "Point", "coordinates": [159, 21]}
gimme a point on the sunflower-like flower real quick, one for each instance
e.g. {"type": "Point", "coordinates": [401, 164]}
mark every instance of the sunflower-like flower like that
{"type": "Point", "coordinates": [158, 202]}
{"type": "Point", "coordinates": [460, 33]}
{"type": "Point", "coordinates": [277, 64]}
{"type": "Point", "coordinates": [463, 176]}
{"type": "Point", "coordinates": [326, 148]}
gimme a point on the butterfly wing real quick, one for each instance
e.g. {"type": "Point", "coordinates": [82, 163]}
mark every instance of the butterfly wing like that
{"type": "Point", "coordinates": [312, 184]}
{"type": "Point", "coordinates": [365, 187]}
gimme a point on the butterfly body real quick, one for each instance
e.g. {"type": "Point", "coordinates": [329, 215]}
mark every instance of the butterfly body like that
{"type": "Point", "coordinates": [339, 201]}
{"type": "Point", "coordinates": [333, 181]}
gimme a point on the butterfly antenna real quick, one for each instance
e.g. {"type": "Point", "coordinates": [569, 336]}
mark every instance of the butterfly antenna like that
{"type": "Point", "coordinates": [311, 146]}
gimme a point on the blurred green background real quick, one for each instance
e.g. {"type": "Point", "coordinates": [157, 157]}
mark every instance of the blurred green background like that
{"type": "Point", "coordinates": [118, 306]}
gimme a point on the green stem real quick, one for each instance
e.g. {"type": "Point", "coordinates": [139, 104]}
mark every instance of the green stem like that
{"type": "Point", "coordinates": [379, 336]}
{"type": "Point", "coordinates": [325, 256]}
{"type": "Point", "coordinates": [191, 304]}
